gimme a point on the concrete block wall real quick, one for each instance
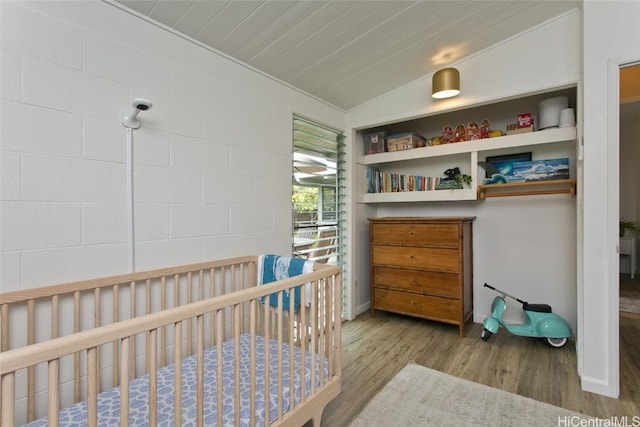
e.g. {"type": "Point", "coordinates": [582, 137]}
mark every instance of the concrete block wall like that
{"type": "Point", "coordinates": [212, 160]}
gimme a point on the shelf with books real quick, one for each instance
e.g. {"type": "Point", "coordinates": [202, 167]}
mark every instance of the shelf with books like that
{"type": "Point", "coordinates": [389, 182]}
{"type": "Point", "coordinates": [429, 161]}
{"type": "Point", "coordinates": [470, 157]}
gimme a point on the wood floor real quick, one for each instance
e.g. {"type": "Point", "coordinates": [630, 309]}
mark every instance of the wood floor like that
{"type": "Point", "coordinates": [375, 349]}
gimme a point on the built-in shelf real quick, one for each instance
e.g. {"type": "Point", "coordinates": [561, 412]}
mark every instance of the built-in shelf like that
{"type": "Point", "coordinates": [420, 196]}
{"type": "Point", "coordinates": [531, 188]}
{"type": "Point", "coordinates": [546, 136]}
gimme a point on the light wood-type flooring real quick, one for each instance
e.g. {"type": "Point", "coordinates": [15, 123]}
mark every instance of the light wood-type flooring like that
{"type": "Point", "coordinates": [375, 349]}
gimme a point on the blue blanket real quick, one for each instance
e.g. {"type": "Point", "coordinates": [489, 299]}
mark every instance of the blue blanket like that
{"type": "Point", "coordinates": [272, 268]}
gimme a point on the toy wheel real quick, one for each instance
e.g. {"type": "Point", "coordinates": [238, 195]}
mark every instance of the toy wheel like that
{"type": "Point", "coordinates": [556, 342]}
{"type": "Point", "coordinates": [485, 335]}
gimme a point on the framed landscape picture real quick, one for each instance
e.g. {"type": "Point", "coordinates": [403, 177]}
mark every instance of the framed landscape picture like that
{"type": "Point", "coordinates": [505, 162]}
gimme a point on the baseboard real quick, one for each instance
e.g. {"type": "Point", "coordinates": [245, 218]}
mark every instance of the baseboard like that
{"type": "Point", "coordinates": [593, 385]}
{"type": "Point", "coordinates": [363, 307]}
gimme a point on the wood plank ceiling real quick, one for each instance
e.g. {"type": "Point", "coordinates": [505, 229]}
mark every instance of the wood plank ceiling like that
{"type": "Point", "coordinates": [347, 52]}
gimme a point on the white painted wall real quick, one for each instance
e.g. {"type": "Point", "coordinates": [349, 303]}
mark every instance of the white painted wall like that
{"type": "Point", "coordinates": [212, 159]}
{"type": "Point", "coordinates": [523, 245]}
{"type": "Point", "coordinates": [611, 38]}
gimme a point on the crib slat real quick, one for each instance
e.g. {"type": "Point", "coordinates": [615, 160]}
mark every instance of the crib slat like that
{"type": "Point", "coordinates": [163, 331]}
{"type": "Point", "coordinates": [8, 398]}
{"type": "Point", "coordinates": [52, 393]}
{"type": "Point", "coordinates": [76, 356]}
{"type": "Point", "coordinates": [55, 316]}
{"type": "Point", "coordinates": [31, 380]}
{"type": "Point", "coordinates": [4, 316]}
{"type": "Point", "coordinates": [176, 290]}
{"type": "Point", "coordinates": [328, 325]}
{"type": "Point", "coordinates": [232, 276]}
{"type": "Point", "coordinates": [219, 339]}
{"type": "Point", "coordinates": [279, 332]}
{"type": "Point", "coordinates": [337, 306]}
{"type": "Point", "coordinates": [323, 331]}
{"type": "Point", "coordinates": [252, 362]}
{"type": "Point", "coordinates": [314, 333]}
{"type": "Point", "coordinates": [96, 323]}
{"type": "Point", "coordinates": [133, 312]}
{"type": "Point", "coordinates": [290, 316]}
{"type": "Point", "coordinates": [148, 296]}
{"type": "Point", "coordinates": [189, 321]}
{"type": "Point", "coordinates": [96, 308]}
{"type": "Point", "coordinates": [201, 289]}
{"type": "Point", "coordinates": [114, 357]}
{"type": "Point", "coordinates": [177, 379]}
{"type": "Point", "coordinates": [223, 280]}
{"type": "Point", "coordinates": [267, 364]}
{"type": "Point", "coordinates": [200, 371]}
{"type": "Point", "coordinates": [152, 367]}
{"type": "Point", "coordinates": [212, 318]}
{"type": "Point", "coordinates": [236, 348]}
{"type": "Point", "coordinates": [92, 386]}
{"type": "Point", "coordinates": [302, 333]}
{"type": "Point", "coordinates": [124, 386]}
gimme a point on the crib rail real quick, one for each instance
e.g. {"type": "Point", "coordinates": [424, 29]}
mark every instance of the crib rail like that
{"type": "Point", "coordinates": [188, 329]}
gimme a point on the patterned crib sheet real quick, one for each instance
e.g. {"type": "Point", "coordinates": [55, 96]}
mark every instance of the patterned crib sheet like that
{"type": "Point", "coordinates": [109, 401]}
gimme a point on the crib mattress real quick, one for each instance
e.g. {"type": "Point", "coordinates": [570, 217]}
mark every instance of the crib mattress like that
{"type": "Point", "coordinates": [109, 401]}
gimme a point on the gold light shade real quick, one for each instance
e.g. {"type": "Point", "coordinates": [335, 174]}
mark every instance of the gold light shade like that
{"type": "Point", "coordinates": [445, 83]}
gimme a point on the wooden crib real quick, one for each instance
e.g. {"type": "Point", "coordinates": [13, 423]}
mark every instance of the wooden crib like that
{"type": "Point", "coordinates": [200, 344]}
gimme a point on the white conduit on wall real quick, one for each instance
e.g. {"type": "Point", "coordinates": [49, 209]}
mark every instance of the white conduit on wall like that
{"type": "Point", "coordinates": [130, 121]}
{"type": "Point", "coordinates": [130, 203]}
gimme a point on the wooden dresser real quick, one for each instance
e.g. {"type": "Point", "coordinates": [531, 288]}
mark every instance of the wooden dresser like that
{"type": "Point", "coordinates": [423, 267]}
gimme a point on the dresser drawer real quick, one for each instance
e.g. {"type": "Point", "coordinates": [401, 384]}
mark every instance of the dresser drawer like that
{"type": "Point", "coordinates": [426, 282]}
{"type": "Point", "coordinates": [436, 259]}
{"type": "Point", "coordinates": [441, 235]}
{"type": "Point", "coordinates": [425, 306]}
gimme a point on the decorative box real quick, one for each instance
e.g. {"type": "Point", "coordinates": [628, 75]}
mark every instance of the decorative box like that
{"type": "Point", "coordinates": [525, 120]}
{"type": "Point", "coordinates": [405, 141]}
{"type": "Point", "coordinates": [514, 131]}
{"type": "Point", "coordinates": [375, 143]}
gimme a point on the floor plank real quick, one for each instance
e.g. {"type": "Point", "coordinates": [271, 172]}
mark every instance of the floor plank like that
{"type": "Point", "coordinates": [375, 349]}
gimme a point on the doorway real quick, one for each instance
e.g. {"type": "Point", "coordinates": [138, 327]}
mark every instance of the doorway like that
{"type": "Point", "coordinates": [629, 190]}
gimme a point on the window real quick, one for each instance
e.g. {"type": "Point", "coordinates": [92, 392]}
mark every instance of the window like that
{"type": "Point", "coordinates": [318, 192]}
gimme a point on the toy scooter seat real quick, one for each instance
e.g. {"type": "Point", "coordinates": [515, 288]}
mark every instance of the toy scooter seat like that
{"type": "Point", "coordinates": [539, 308]}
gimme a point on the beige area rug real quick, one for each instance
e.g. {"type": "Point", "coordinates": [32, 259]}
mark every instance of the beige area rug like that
{"type": "Point", "coordinates": [419, 396]}
{"type": "Point", "coordinates": [630, 302]}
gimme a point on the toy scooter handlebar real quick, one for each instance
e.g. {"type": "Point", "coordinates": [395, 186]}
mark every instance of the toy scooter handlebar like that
{"type": "Point", "coordinates": [505, 294]}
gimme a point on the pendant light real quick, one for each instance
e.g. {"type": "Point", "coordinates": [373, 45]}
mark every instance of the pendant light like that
{"type": "Point", "coordinates": [445, 83]}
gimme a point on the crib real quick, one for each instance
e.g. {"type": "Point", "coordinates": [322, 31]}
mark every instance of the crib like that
{"type": "Point", "coordinates": [200, 344]}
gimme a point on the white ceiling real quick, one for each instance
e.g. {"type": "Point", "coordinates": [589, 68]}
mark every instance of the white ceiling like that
{"type": "Point", "coordinates": [347, 52]}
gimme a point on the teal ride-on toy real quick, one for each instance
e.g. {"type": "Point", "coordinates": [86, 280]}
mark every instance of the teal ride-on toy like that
{"type": "Point", "coordinates": [541, 322]}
